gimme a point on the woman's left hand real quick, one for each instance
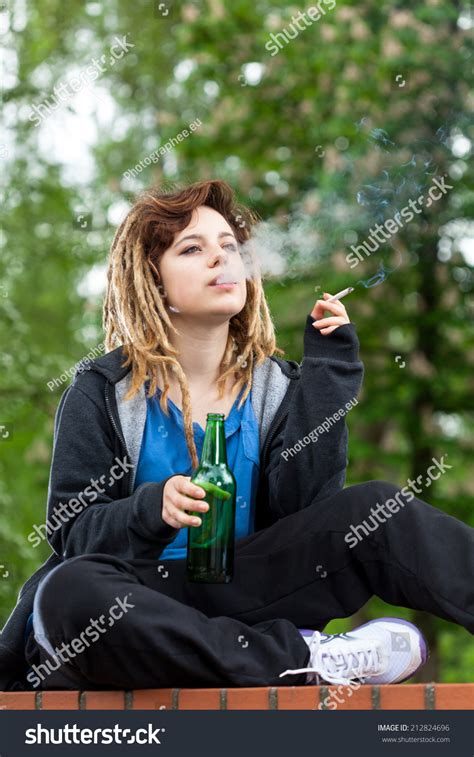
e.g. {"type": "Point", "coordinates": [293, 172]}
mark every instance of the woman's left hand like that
{"type": "Point", "coordinates": [330, 323]}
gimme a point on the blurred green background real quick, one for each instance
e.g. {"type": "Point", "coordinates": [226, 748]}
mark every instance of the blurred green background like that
{"type": "Point", "coordinates": [335, 132]}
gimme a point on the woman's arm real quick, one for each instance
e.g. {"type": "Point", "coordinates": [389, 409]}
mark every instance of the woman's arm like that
{"type": "Point", "coordinates": [331, 377]}
{"type": "Point", "coordinates": [86, 506]}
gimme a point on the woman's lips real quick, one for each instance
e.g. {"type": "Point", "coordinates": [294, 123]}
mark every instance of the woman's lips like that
{"type": "Point", "coordinates": [227, 285]}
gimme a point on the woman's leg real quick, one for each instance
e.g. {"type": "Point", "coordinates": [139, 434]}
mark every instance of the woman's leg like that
{"type": "Point", "coordinates": [301, 571]}
{"type": "Point", "coordinates": [326, 561]}
{"type": "Point", "coordinates": [157, 642]}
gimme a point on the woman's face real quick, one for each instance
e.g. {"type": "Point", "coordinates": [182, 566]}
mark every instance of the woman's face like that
{"type": "Point", "coordinates": [204, 251]}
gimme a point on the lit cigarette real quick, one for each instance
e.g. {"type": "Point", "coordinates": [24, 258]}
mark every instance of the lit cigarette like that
{"type": "Point", "coordinates": [340, 294]}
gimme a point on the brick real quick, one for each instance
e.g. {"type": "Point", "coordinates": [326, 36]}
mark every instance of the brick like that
{"type": "Point", "coordinates": [200, 699]}
{"type": "Point", "coordinates": [454, 696]}
{"type": "Point", "coordinates": [248, 698]}
{"type": "Point", "coordinates": [104, 700]}
{"type": "Point", "coordinates": [349, 698]}
{"type": "Point", "coordinates": [396, 697]}
{"type": "Point", "coordinates": [59, 700]}
{"type": "Point", "coordinates": [153, 699]}
{"type": "Point", "coordinates": [298, 697]}
{"type": "Point", "coordinates": [402, 697]}
{"type": "Point", "coordinates": [17, 700]}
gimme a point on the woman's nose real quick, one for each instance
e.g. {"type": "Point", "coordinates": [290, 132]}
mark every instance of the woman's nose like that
{"type": "Point", "coordinates": [218, 255]}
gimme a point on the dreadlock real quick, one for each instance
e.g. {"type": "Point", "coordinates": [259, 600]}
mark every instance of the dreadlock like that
{"type": "Point", "coordinates": [134, 312]}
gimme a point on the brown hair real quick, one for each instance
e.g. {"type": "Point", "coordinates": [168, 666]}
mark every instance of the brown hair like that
{"type": "Point", "coordinates": [134, 313]}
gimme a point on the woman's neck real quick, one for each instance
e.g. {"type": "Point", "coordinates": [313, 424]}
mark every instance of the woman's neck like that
{"type": "Point", "coordinates": [201, 350]}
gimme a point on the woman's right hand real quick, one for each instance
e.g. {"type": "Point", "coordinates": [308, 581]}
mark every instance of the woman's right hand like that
{"type": "Point", "coordinates": [179, 494]}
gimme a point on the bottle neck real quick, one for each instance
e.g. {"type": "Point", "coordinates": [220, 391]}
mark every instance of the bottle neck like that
{"type": "Point", "coordinates": [213, 448]}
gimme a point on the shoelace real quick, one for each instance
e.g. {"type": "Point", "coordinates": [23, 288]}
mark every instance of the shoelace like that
{"type": "Point", "coordinates": [331, 664]}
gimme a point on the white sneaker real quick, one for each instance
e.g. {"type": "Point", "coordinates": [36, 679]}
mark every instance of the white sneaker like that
{"type": "Point", "coordinates": [388, 650]}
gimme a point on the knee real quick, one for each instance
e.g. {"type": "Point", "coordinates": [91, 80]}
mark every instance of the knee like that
{"type": "Point", "coordinates": [379, 495]}
{"type": "Point", "coordinates": [376, 507]}
{"type": "Point", "coordinates": [70, 593]}
{"type": "Point", "coordinates": [68, 579]}
{"type": "Point", "coordinates": [378, 487]}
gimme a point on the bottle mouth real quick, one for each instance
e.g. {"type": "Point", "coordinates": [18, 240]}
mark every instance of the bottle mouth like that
{"type": "Point", "coordinates": [215, 416]}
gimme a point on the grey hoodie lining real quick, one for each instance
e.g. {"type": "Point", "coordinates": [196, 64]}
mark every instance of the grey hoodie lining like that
{"type": "Point", "coordinates": [269, 386]}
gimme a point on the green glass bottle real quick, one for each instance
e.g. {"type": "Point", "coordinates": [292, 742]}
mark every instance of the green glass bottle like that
{"type": "Point", "coordinates": [210, 552]}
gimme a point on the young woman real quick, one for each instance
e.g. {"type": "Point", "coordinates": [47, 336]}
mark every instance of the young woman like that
{"type": "Point", "coordinates": [112, 607]}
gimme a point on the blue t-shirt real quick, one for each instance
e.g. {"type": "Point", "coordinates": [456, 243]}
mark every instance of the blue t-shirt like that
{"type": "Point", "coordinates": [164, 452]}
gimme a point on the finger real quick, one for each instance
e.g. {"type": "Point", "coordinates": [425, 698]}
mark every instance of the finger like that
{"type": "Point", "coordinates": [184, 519]}
{"type": "Point", "coordinates": [323, 322]}
{"type": "Point", "coordinates": [192, 490]}
{"type": "Point", "coordinates": [170, 520]}
{"type": "Point", "coordinates": [334, 306]}
{"type": "Point", "coordinates": [188, 503]}
{"type": "Point", "coordinates": [321, 306]}
{"type": "Point", "coordinates": [325, 332]}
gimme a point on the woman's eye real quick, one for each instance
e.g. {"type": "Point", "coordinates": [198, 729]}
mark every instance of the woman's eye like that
{"type": "Point", "coordinates": [232, 246]}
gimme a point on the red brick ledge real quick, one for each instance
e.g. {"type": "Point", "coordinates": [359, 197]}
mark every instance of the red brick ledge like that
{"type": "Point", "coordinates": [429, 696]}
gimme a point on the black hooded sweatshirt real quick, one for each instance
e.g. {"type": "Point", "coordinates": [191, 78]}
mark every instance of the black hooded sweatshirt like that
{"type": "Point", "coordinates": [301, 461]}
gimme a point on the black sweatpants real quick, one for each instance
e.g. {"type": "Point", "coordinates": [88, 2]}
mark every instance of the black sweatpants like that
{"type": "Point", "coordinates": [300, 572]}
